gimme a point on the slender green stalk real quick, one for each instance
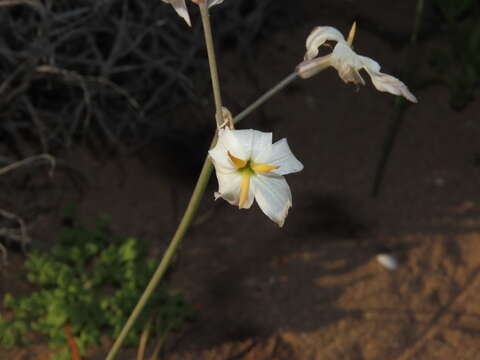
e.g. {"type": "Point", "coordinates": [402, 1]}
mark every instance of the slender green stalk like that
{"type": "Point", "coordinates": [167, 257]}
{"type": "Point", "coordinates": [212, 62]}
{"type": "Point", "coordinates": [418, 21]}
{"type": "Point", "coordinates": [400, 105]}
{"type": "Point", "coordinates": [187, 220]}
{"type": "Point", "coordinates": [159, 344]}
{"type": "Point", "coordinates": [262, 99]}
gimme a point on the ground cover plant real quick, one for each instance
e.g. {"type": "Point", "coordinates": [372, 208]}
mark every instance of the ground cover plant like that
{"type": "Point", "coordinates": [85, 287]}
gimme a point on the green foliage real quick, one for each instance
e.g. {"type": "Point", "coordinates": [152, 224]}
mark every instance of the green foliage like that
{"type": "Point", "coordinates": [91, 281]}
{"type": "Point", "coordinates": [459, 63]}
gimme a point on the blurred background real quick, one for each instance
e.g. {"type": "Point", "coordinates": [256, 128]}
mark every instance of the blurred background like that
{"type": "Point", "coordinates": [118, 92]}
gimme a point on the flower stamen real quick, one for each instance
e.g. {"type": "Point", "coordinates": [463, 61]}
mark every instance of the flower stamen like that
{"type": "Point", "coordinates": [244, 188]}
{"type": "Point", "coordinates": [263, 168]}
{"type": "Point", "coordinates": [239, 163]}
{"type": "Point", "coordinates": [351, 34]}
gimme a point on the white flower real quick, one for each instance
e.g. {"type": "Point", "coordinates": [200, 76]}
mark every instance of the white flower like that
{"type": "Point", "coordinates": [249, 166]}
{"type": "Point", "coordinates": [347, 62]}
{"type": "Point", "coordinates": [181, 8]}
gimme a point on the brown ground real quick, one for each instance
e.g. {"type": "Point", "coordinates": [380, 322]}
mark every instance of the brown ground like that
{"type": "Point", "coordinates": [313, 290]}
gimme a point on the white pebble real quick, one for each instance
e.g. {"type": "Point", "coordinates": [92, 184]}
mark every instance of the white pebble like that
{"type": "Point", "coordinates": [388, 261]}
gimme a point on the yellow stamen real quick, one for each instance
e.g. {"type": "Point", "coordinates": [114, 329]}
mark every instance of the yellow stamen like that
{"type": "Point", "coordinates": [239, 163]}
{"type": "Point", "coordinates": [244, 187]}
{"type": "Point", "coordinates": [263, 168]}
{"type": "Point", "coordinates": [351, 35]}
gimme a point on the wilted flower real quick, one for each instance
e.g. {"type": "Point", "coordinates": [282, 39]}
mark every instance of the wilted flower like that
{"type": "Point", "coordinates": [181, 8]}
{"type": "Point", "coordinates": [249, 166]}
{"type": "Point", "coordinates": [347, 62]}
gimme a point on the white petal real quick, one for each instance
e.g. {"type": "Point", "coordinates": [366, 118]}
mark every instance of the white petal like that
{"type": "Point", "coordinates": [343, 55]}
{"type": "Point", "coordinates": [273, 197]}
{"type": "Point", "coordinates": [237, 142]}
{"type": "Point", "coordinates": [280, 155]}
{"type": "Point", "coordinates": [229, 187]}
{"type": "Point", "coordinates": [181, 9]}
{"type": "Point", "coordinates": [260, 142]}
{"type": "Point", "coordinates": [369, 64]}
{"type": "Point", "coordinates": [244, 144]}
{"type": "Point", "coordinates": [390, 84]}
{"type": "Point", "coordinates": [309, 68]}
{"type": "Point", "coordinates": [385, 82]}
{"type": "Point", "coordinates": [214, 2]}
{"type": "Point", "coordinates": [347, 63]}
{"type": "Point", "coordinates": [318, 37]}
{"type": "Point", "coordinates": [350, 74]}
{"type": "Point", "coordinates": [220, 159]}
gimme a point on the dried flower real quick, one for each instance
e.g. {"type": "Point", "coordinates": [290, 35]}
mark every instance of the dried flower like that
{"type": "Point", "coordinates": [181, 8]}
{"type": "Point", "coordinates": [347, 62]}
{"type": "Point", "coordinates": [249, 166]}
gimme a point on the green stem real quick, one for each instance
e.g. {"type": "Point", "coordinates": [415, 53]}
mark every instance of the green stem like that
{"type": "Point", "coordinates": [418, 21]}
{"type": "Point", "coordinates": [212, 62]}
{"type": "Point", "coordinates": [187, 220]}
{"type": "Point", "coordinates": [262, 99]}
{"type": "Point", "coordinates": [167, 257]}
{"type": "Point", "coordinates": [400, 105]}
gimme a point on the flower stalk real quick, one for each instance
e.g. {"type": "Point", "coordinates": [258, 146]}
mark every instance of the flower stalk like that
{"type": "Point", "coordinates": [265, 97]}
{"type": "Point", "coordinates": [167, 257]}
{"type": "Point", "coordinates": [212, 62]}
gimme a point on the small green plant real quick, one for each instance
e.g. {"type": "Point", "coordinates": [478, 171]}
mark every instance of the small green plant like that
{"type": "Point", "coordinates": [89, 283]}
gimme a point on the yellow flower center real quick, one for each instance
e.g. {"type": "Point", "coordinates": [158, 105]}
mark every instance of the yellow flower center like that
{"type": "Point", "coordinates": [248, 168]}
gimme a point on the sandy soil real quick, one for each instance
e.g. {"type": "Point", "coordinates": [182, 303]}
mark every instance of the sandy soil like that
{"type": "Point", "coordinates": [314, 290]}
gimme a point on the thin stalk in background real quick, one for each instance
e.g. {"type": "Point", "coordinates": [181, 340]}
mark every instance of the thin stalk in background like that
{"type": "Point", "coordinates": [400, 105]}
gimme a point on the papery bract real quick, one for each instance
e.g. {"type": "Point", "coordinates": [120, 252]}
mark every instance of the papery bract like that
{"type": "Point", "coordinates": [347, 62]}
{"type": "Point", "coordinates": [248, 166]}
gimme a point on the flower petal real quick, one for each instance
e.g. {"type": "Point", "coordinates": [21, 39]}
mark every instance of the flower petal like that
{"type": "Point", "coordinates": [343, 55]}
{"type": "Point", "coordinates": [385, 82]}
{"type": "Point", "coordinates": [273, 197]}
{"type": "Point", "coordinates": [390, 84]}
{"type": "Point", "coordinates": [280, 155]}
{"type": "Point", "coordinates": [181, 9]}
{"type": "Point", "coordinates": [318, 37]}
{"type": "Point", "coordinates": [214, 2]}
{"type": "Point", "coordinates": [229, 187]}
{"type": "Point", "coordinates": [220, 158]}
{"type": "Point", "coordinates": [347, 62]}
{"type": "Point", "coordinates": [245, 144]}
{"type": "Point", "coordinates": [369, 64]}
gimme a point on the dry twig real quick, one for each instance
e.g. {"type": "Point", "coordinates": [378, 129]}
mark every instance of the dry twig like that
{"type": "Point", "coordinates": [28, 161]}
